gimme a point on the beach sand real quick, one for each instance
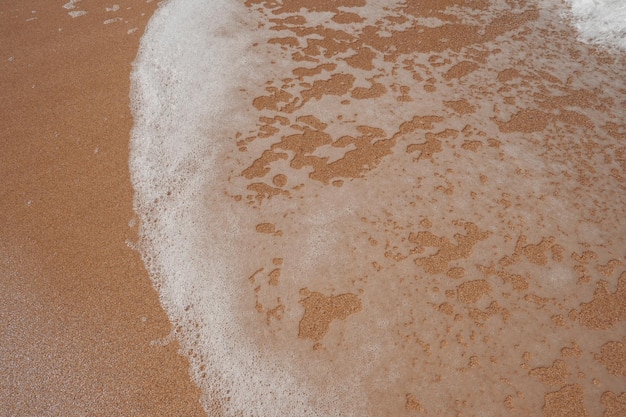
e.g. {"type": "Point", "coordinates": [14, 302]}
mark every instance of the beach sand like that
{"type": "Point", "coordinates": [78, 313]}
{"type": "Point", "coordinates": [492, 276]}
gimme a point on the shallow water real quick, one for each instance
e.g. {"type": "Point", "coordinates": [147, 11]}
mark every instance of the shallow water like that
{"type": "Point", "coordinates": [385, 209]}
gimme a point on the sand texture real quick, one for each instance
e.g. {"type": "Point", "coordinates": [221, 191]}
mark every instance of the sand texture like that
{"type": "Point", "coordinates": [78, 313]}
{"type": "Point", "coordinates": [393, 209]}
{"type": "Point", "coordinates": [385, 209]}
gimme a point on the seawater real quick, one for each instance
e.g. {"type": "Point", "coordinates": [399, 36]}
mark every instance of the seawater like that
{"type": "Point", "coordinates": [380, 208]}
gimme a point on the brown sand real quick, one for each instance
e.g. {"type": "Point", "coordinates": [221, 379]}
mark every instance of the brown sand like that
{"type": "Point", "coordinates": [78, 313]}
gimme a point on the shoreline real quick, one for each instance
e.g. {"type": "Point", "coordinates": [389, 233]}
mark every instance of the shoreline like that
{"type": "Point", "coordinates": [498, 264]}
{"type": "Point", "coordinates": [79, 312]}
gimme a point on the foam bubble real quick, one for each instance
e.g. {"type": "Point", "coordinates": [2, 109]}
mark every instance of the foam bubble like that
{"type": "Point", "coordinates": [113, 20]}
{"type": "Point", "coordinates": [71, 4]}
{"type": "Point", "coordinates": [601, 22]}
{"type": "Point", "coordinates": [190, 60]}
{"type": "Point", "coordinates": [77, 13]}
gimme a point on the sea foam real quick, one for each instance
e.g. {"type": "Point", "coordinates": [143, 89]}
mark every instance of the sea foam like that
{"type": "Point", "coordinates": [456, 164]}
{"type": "Point", "coordinates": [601, 22]}
{"type": "Point", "coordinates": [191, 58]}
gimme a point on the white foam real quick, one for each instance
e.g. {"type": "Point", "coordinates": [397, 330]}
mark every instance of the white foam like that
{"type": "Point", "coordinates": [77, 13]}
{"type": "Point", "coordinates": [601, 22]}
{"type": "Point", "coordinates": [71, 4]}
{"type": "Point", "coordinates": [189, 59]}
{"type": "Point", "coordinates": [187, 104]}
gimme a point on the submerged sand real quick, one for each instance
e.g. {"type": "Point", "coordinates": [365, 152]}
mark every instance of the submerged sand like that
{"type": "Point", "coordinates": [429, 197]}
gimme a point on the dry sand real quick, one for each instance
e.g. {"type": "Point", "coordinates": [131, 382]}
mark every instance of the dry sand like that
{"type": "Point", "coordinates": [78, 313]}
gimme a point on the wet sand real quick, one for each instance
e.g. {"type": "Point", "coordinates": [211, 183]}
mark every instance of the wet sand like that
{"type": "Point", "coordinates": [430, 201]}
{"type": "Point", "coordinates": [508, 251]}
{"type": "Point", "coordinates": [78, 314]}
